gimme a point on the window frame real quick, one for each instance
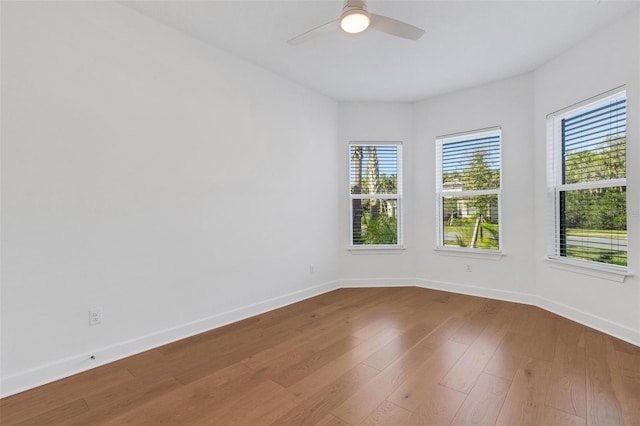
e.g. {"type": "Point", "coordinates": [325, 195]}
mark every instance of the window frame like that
{"type": "Point", "coordinates": [442, 193]}
{"type": "Point", "coordinates": [399, 245]}
{"type": "Point", "coordinates": [555, 186]}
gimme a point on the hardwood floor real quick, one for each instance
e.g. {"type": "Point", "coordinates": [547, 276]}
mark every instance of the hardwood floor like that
{"type": "Point", "coordinates": [378, 356]}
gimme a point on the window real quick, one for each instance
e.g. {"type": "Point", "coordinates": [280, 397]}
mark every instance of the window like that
{"type": "Point", "coordinates": [375, 188]}
{"type": "Point", "coordinates": [468, 187]}
{"type": "Point", "coordinates": [587, 182]}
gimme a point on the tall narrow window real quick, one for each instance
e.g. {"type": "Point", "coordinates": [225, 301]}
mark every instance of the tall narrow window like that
{"type": "Point", "coordinates": [468, 186]}
{"type": "Point", "coordinates": [587, 183]}
{"type": "Point", "coordinates": [375, 188]}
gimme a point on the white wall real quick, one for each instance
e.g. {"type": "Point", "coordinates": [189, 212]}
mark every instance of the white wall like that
{"type": "Point", "coordinates": [173, 185]}
{"type": "Point", "coordinates": [375, 122]}
{"type": "Point", "coordinates": [508, 104]}
{"type": "Point", "coordinates": [603, 62]}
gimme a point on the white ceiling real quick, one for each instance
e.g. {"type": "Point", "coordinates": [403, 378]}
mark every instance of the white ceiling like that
{"type": "Point", "coordinates": [466, 43]}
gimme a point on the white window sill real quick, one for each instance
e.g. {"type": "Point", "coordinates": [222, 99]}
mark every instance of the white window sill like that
{"type": "Point", "coordinates": [369, 249]}
{"type": "Point", "coordinates": [470, 253]}
{"type": "Point", "coordinates": [612, 273]}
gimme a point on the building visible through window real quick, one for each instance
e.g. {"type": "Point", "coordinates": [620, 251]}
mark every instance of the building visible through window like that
{"type": "Point", "coordinates": [468, 185]}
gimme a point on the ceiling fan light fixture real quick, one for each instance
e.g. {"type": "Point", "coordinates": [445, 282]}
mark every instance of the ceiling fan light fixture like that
{"type": "Point", "coordinates": [355, 22]}
{"type": "Point", "coordinates": [355, 18]}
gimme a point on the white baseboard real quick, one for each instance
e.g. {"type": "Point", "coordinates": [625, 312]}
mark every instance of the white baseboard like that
{"type": "Point", "coordinates": [593, 321]}
{"type": "Point", "coordinates": [611, 328]}
{"type": "Point", "coordinates": [376, 282]}
{"type": "Point", "coordinates": [508, 296]}
{"type": "Point", "coordinates": [57, 370]}
{"type": "Point", "coordinates": [41, 375]}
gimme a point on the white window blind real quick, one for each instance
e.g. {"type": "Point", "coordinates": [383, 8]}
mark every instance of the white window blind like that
{"type": "Point", "coordinates": [468, 187]}
{"type": "Point", "coordinates": [375, 190]}
{"type": "Point", "coordinates": [587, 174]}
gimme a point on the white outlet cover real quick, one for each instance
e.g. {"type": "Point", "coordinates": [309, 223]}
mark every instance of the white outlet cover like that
{"type": "Point", "coordinates": [95, 316]}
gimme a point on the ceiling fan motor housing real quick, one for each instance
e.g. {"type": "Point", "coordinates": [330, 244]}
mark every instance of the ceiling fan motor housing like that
{"type": "Point", "coordinates": [354, 6]}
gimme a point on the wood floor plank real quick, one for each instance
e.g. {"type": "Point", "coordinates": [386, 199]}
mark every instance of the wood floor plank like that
{"type": "Point", "coordinates": [525, 401]}
{"type": "Point", "coordinates": [63, 392]}
{"type": "Point", "coordinates": [365, 400]}
{"type": "Point", "coordinates": [400, 345]}
{"type": "Point", "coordinates": [115, 401]}
{"type": "Point", "coordinates": [607, 401]}
{"type": "Point", "coordinates": [184, 404]}
{"type": "Point", "coordinates": [420, 386]}
{"type": "Point", "coordinates": [438, 407]}
{"type": "Point", "coordinates": [315, 361]}
{"type": "Point", "coordinates": [568, 332]}
{"type": "Point", "coordinates": [510, 353]}
{"type": "Point", "coordinates": [279, 360]}
{"type": "Point", "coordinates": [474, 325]}
{"type": "Point", "coordinates": [386, 414]}
{"type": "Point", "coordinates": [567, 386]}
{"type": "Point", "coordinates": [629, 368]}
{"type": "Point", "coordinates": [555, 417]}
{"type": "Point", "coordinates": [468, 306]}
{"type": "Point", "coordinates": [331, 420]}
{"type": "Point", "coordinates": [483, 404]}
{"type": "Point", "coordinates": [361, 404]}
{"type": "Point", "coordinates": [374, 324]}
{"type": "Point", "coordinates": [526, 324]}
{"type": "Point", "coordinates": [59, 415]}
{"type": "Point", "coordinates": [266, 409]}
{"type": "Point", "coordinates": [328, 333]}
{"type": "Point", "coordinates": [503, 364]}
{"type": "Point", "coordinates": [622, 346]}
{"type": "Point", "coordinates": [263, 397]}
{"type": "Point", "coordinates": [332, 371]}
{"type": "Point", "coordinates": [466, 371]}
{"type": "Point", "coordinates": [314, 408]}
{"type": "Point", "coordinates": [543, 339]}
{"type": "Point", "coordinates": [629, 365]}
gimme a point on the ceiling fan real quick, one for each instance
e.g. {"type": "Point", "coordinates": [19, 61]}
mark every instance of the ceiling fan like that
{"type": "Point", "coordinates": [355, 18]}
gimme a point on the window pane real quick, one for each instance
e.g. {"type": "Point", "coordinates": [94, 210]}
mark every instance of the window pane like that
{"type": "Point", "coordinates": [471, 164]}
{"type": "Point", "coordinates": [375, 221]}
{"type": "Point", "coordinates": [594, 225]}
{"type": "Point", "coordinates": [471, 221]}
{"type": "Point", "coordinates": [594, 143]}
{"type": "Point", "coordinates": [373, 169]}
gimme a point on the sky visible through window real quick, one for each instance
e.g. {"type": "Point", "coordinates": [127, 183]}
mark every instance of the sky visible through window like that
{"type": "Point", "coordinates": [590, 129]}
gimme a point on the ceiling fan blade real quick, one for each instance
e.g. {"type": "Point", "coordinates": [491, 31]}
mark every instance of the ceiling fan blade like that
{"type": "Point", "coordinates": [394, 27]}
{"type": "Point", "coordinates": [328, 27]}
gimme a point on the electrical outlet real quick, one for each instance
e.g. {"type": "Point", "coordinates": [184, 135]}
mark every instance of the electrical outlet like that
{"type": "Point", "coordinates": [95, 316]}
{"type": "Point", "coordinates": [312, 269]}
{"type": "Point", "coordinates": [468, 267]}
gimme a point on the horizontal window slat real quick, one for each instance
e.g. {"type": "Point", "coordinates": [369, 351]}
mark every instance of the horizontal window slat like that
{"type": "Point", "coordinates": [603, 121]}
{"type": "Point", "coordinates": [611, 183]}
{"type": "Point", "coordinates": [601, 134]}
{"type": "Point", "coordinates": [612, 105]}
